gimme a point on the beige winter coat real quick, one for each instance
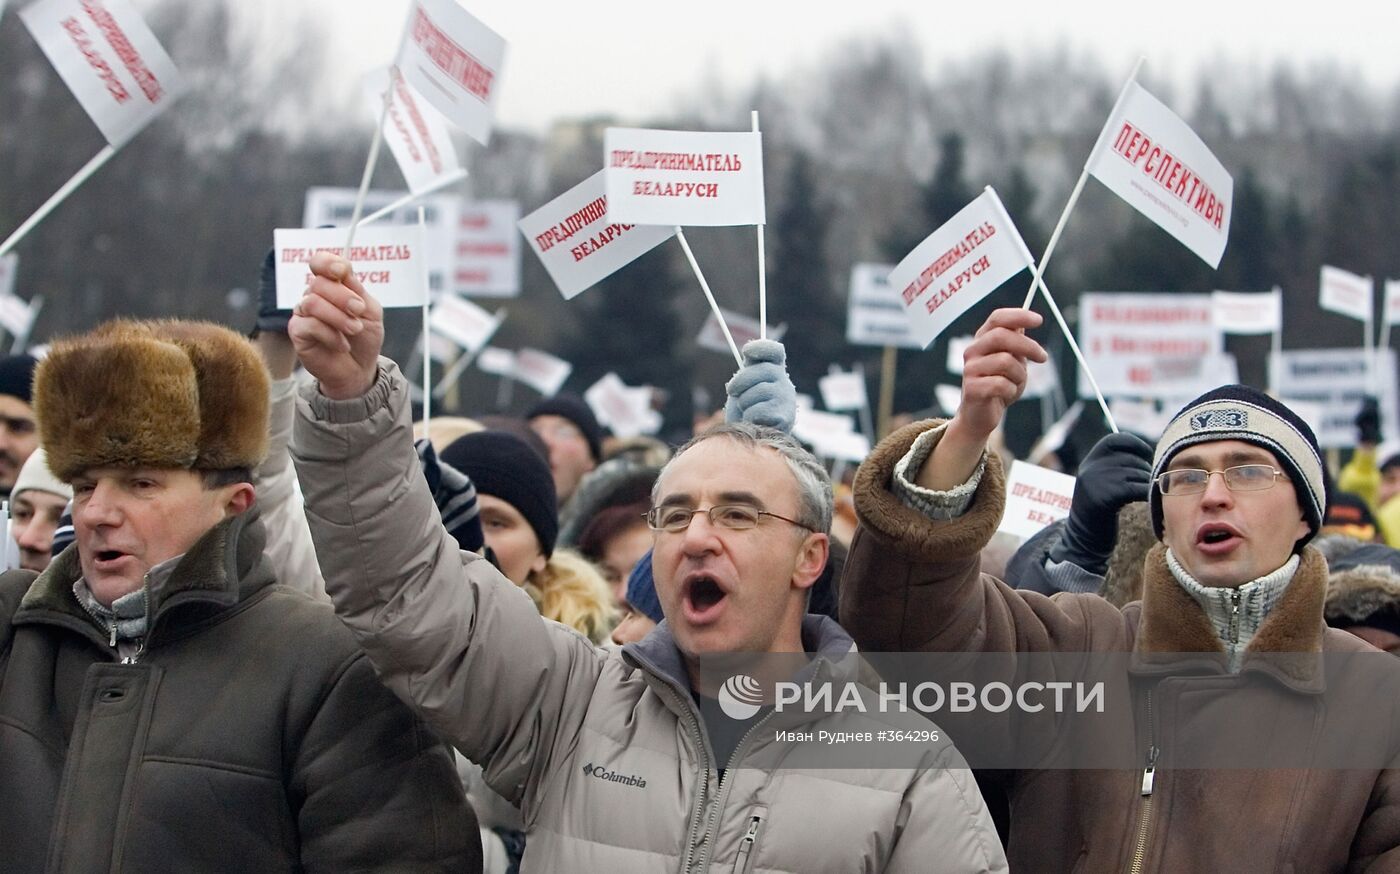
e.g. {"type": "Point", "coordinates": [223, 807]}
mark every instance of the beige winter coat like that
{"type": "Point", "coordinates": [603, 751]}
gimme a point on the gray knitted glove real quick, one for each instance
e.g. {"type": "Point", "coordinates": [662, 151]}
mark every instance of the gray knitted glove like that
{"type": "Point", "coordinates": [761, 393]}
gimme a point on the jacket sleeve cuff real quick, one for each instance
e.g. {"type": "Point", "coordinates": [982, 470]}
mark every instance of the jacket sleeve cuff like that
{"type": "Point", "coordinates": [911, 533]}
{"type": "Point", "coordinates": [933, 504]}
{"type": "Point", "coordinates": [1066, 576]}
{"type": "Point", "coordinates": [351, 410]}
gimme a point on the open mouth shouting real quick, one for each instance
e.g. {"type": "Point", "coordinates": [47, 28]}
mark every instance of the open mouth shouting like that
{"type": "Point", "coordinates": [703, 598]}
{"type": "Point", "coordinates": [1217, 539]}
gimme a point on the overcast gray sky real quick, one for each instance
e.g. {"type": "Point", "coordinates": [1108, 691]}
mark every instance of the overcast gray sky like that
{"type": "Point", "coordinates": [631, 58]}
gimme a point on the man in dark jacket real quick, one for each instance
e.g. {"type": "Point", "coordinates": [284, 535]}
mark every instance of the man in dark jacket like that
{"type": "Point", "coordinates": [165, 705]}
{"type": "Point", "coordinates": [1224, 647]}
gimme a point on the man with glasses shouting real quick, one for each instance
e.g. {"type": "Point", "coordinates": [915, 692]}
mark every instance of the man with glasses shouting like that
{"type": "Point", "coordinates": [1231, 616]}
{"type": "Point", "coordinates": [610, 755]}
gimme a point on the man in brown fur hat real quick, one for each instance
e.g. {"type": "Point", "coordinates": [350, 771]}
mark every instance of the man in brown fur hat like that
{"type": "Point", "coordinates": [165, 705]}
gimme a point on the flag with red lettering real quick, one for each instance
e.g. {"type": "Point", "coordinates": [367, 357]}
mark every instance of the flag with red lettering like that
{"type": "Point", "coordinates": [488, 249]}
{"type": "Point", "coordinates": [957, 265]}
{"type": "Point", "coordinates": [454, 61]}
{"type": "Point", "coordinates": [463, 322]}
{"type": "Point", "coordinates": [1153, 160]}
{"type": "Point", "coordinates": [109, 59]}
{"type": "Point", "coordinates": [541, 371]}
{"type": "Point", "coordinates": [577, 242]}
{"type": "Point", "coordinates": [1344, 292]}
{"type": "Point", "coordinates": [416, 133]}
{"type": "Point", "coordinates": [682, 178]}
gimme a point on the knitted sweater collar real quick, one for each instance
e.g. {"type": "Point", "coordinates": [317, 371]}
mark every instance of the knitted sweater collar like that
{"type": "Point", "coordinates": [1236, 614]}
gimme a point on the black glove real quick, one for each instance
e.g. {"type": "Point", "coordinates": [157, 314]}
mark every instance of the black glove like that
{"type": "Point", "coordinates": [270, 318]}
{"type": "Point", "coordinates": [1368, 422]}
{"type": "Point", "coordinates": [1116, 472]}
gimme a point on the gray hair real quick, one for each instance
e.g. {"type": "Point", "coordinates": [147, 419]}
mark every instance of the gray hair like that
{"type": "Point", "coordinates": [814, 496]}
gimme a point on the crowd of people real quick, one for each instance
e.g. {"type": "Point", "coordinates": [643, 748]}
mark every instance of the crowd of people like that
{"type": "Point", "coordinates": [256, 619]}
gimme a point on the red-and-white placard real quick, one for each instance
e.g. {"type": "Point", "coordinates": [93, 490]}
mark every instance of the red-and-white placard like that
{"type": "Point", "coordinates": [462, 322]}
{"type": "Point", "coordinates": [957, 265]}
{"type": "Point", "coordinates": [454, 61]}
{"type": "Point", "coordinates": [541, 371]}
{"type": "Point", "coordinates": [1346, 293]}
{"type": "Point", "coordinates": [578, 244]}
{"type": "Point", "coordinates": [416, 133]}
{"type": "Point", "coordinates": [109, 59]}
{"type": "Point", "coordinates": [1149, 345]}
{"type": "Point", "coordinates": [1035, 497]}
{"type": "Point", "coordinates": [388, 261]}
{"type": "Point", "coordinates": [488, 249]}
{"type": "Point", "coordinates": [494, 359]}
{"type": "Point", "coordinates": [1248, 312]}
{"type": "Point", "coordinates": [335, 206]}
{"type": "Point", "coordinates": [665, 177]}
{"type": "Point", "coordinates": [1153, 160]}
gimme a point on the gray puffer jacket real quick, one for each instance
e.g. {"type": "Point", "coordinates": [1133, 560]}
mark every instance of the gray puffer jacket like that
{"type": "Point", "coordinates": [604, 752]}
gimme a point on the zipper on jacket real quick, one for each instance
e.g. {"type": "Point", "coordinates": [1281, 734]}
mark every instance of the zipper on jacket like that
{"type": "Point", "coordinates": [1234, 617]}
{"type": "Point", "coordinates": [741, 863]}
{"type": "Point", "coordinates": [723, 786]}
{"type": "Point", "coordinates": [1149, 775]}
{"type": "Point", "coordinates": [699, 736]}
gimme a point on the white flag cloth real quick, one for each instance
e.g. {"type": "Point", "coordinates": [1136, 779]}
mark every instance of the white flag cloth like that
{"type": "Point", "coordinates": [109, 59]}
{"type": "Point", "coordinates": [462, 322]}
{"type": "Point", "coordinates": [388, 260]}
{"type": "Point", "coordinates": [9, 267]}
{"type": "Point", "coordinates": [959, 264]}
{"type": "Point", "coordinates": [415, 132]}
{"type": "Point", "coordinates": [1035, 497]}
{"type": "Point", "coordinates": [439, 348]}
{"type": "Point", "coordinates": [874, 313]}
{"type": "Point", "coordinates": [1153, 160]}
{"type": "Point", "coordinates": [1392, 301]}
{"type": "Point", "coordinates": [1247, 312]}
{"type": "Point", "coordinates": [667, 177]}
{"type": "Point", "coordinates": [624, 409]}
{"type": "Point", "coordinates": [494, 359]}
{"type": "Point", "coordinates": [577, 242]}
{"type": "Point", "coordinates": [741, 327]}
{"type": "Point", "coordinates": [843, 390]}
{"type": "Point", "coordinates": [541, 371]}
{"type": "Point", "coordinates": [454, 61]}
{"type": "Point", "coordinates": [488, 249]}
{"type": "Point", "coordinates": [1346, 293]}
{"type": "Point", "coordinates": [17, 316]}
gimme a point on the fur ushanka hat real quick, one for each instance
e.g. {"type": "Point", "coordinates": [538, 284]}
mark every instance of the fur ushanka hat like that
{"type": "Point", "coordinates": [166, 394]}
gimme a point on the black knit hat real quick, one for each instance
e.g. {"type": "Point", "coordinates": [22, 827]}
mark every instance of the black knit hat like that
{"type": "Point", "coordinates": [17, 376]}
{"type": "Point", "coordinates": [1238, 412]}
{"type": "Point", "coordinates": [503, 466]}
{"type": "Point", "coordinates": [573, 408]}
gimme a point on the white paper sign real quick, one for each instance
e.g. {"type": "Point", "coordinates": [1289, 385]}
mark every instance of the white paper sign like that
{"type": "Point", "coordinates": [664, 177]}
{"type": "Point", "coordinates": [1346, 293]}
{"type": "Point", "coordinates": [1035, 498]}
{"type": "Point", "coordinates": [1335, 379]}
{"type": "Point", "coordinates": [958, 265]}
{"type": "Point", "coordinates": [415, 132]}
{"type": "Point", "coordinates": [463, 322]}
{"type": "Point", "coordinates": [874, 312]}
{"type": "Point", "coordinates": [495, 360]}
{"type": "Point", "coordinates": [454, 61]}
{"type": "Point", "coordinates": [541, 371]}
{"type": "Point", "coordinates": [576, 242]}
{"type": "Point", "coordinates": [1392, 301]}
{"type": "Point", "coordinates": [741, 328]}
{"type": "Point", "coordinates": [488, 249]}
{"type": "Point", "coordinates": [949, 397]}
{"type": "Point", "coordinates": [1248, 312]}
{"type": "Point", "coordinates": [1153, 160]}
{"type": "Point", "coordinates": [843, 391]}
{"type": "Point", "coordinates": [17, 316]}
{"type": "Point", "coordinates": [851, 446]}
{"type": "Point", "coordinates": [109, 59]}
{"type": "Point", "coordinates": [1149, 345]}
{"type": "Point", "coordinates": [9, 268]}
{"type": "Point", "coordinates": [336, 206]}
{"type": "Point", "coordinates": [625, 410]}
{"type": "Point", "coordinates": [388, 261]}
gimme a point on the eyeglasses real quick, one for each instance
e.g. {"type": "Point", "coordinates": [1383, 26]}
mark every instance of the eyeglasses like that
{"type": "Point", "coordinates": [1240, 478]}
{"type": "Point", "coordinates": [735, 517]}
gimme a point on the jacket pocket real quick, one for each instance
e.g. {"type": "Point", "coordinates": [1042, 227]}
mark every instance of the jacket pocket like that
{"type": "Point", "coordinates": [748, 845]}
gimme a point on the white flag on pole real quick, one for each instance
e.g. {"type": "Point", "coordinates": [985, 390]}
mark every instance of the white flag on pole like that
{"type": "Point", "coordinates": [496, 360]}
{"type": "Point", "coordinates": [666, 177]}
{"type": "Point", "coordinates": [577, 242]}
{"type": "Point", "coordinates": [463, 322]}
{"type": "Point", "coordinates": [1153, 160]}
{"type": "Point", "coordinates": [109, 59]}
{"type": "Point", "coordinates": [874, 312]}
{"type": "Point", "coordinates": [1248, 312]}
{"type": "Point", "coordinates": [541, 371]}
{"type": "Point", "coordinates": [843, 390]}
{"type": "Point", "coordinates": [958, 265]}
{"type": "Point", "coordinates": [1392, 302]}
{"type": "Point", "coordinates": [622, 408]}
{"type": "Point", "coordinates": [389, 261]}
{"type": "Point", "coordinates": [1346, 293]}
{"type": "Point", "coordinates": [454, 61]}
{"type": "Point", "coordinates": [334, 206]}
{"type": "Point", "coordinates": [742, 328]}
{"type": "Point", "coordinates": [17, 316]}
{"type": "Point", "coordinates": [488, 249]}
{"type": "Point", "coordinates": [9, 267]}
{"type": "Point", "coordinates": [416, 133]}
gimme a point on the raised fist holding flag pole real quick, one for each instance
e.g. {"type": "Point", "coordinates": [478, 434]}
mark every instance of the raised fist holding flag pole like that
{"type": "Point", "coordinates": [337, 329]}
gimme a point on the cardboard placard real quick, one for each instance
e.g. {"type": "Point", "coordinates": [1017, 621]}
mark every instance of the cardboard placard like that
{"type": "Point", "coordinates": [388, 261]}
{"type": "Point", "coordinates": [1343, 292]}
{"type": "Point", "coordinates": [1336, 381]}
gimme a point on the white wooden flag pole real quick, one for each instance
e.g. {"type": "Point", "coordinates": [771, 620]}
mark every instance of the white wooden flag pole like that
{"type": "Point", "coordinates": [762, 270]}
{"type": "Point", "coordinates": [709, 296]}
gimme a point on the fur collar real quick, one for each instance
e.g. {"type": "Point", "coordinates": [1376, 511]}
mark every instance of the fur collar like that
{"type": "Point", "coordinates": [1172, 622]}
